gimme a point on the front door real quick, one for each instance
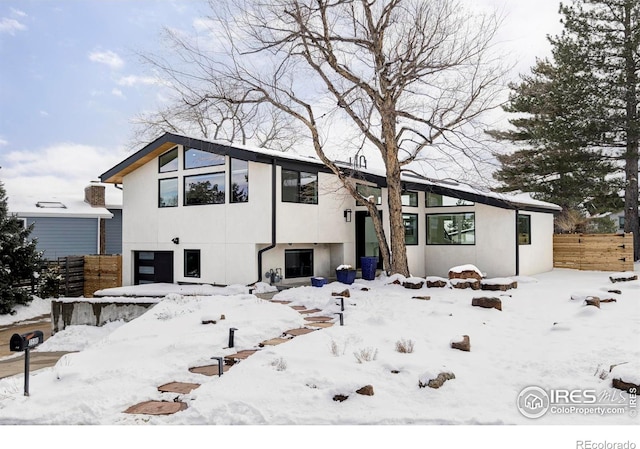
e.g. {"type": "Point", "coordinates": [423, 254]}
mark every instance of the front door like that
{"type": "Point", "coordinates": [366, 239]}
{"type": "Point", "coordinates": [153, 267]}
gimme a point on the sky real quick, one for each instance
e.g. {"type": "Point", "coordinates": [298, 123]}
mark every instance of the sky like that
{"type": "Point", "coordinates": [72, 80]}
{"type": "Point", "coordinates": [545, 336]}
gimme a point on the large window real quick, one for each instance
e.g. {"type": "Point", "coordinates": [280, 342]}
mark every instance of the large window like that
{"type": "Point", "coordinates": [168, 161]}
{"type": "Point", "coordinates": [299, 187]}
{"type": "Point", "coordinates": [524, 229]}
{"type": "Point", "coordinates": [192, 263]}
{"type": "Point", "coordinates": [370, 192]}
{"type": "Point", "coordinates": [451, 229]}
{"type": "Point", "coordinates": [168, 192]}
{"type": "Point", "coordinates": [410, 199]}
{"type": "Point", "coordinates": [410, 228]}
{"type": "Point", "coordinates": [298, 263]}
{"type": "Point", "coordinates": [437, 200]}
{"type": "Point", "coordinates": [239, 192]}
{"type": "Point", "coordinates": [194, 158]}
{"type": "Point", "coordinates": [204, 189]}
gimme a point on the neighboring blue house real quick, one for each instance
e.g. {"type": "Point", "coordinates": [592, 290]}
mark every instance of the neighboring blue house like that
{"type": "Point", "coordinates": [66, 227]}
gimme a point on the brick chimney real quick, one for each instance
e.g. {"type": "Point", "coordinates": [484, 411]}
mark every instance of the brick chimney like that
{"type": "Point", "coordinates": [94, 195]}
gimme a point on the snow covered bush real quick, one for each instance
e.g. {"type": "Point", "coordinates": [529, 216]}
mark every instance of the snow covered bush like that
{"type": "Point", "coordinates": [366, 355]}
{"type": "Point", "coordinates": [404, 346]}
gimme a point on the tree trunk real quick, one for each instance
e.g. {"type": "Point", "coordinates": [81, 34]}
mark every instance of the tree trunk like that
{"type": "Point", "coordinates": [399, 263]}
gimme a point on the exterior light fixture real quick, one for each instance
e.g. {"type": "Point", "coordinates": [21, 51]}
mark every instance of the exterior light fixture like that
{"type": "Point", "coordinates": [175, 240]}
{"type": "Point", "coordinates": [347, 215]}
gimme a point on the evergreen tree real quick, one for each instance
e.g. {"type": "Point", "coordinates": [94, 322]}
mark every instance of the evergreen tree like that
{"type": "Point", "coordinates": [582, 113]}
{"type": "Point", "coordinates": [19, 257]}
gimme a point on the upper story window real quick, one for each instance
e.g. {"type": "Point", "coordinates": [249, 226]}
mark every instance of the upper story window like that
{"type": "Point", "coordinates": [451, 229]}
{"type": "Point", "coordinates": [437, 200]}
{"type": "Point", "coordinates": [410, 199]}
{"type": "Point", "coordinates": [239, 191]}
{"type": "Point", "coordinates": [524, 229]}
{"type": "Point", "coordinates": [204, 189]}
{"type": "Point", "coordinates": [168, 192]}
{"type": "Point", "coordinates": [194, 158]}
{"type": "Point", "coordinates": [169, 161]}
{"type": "Point", "coordinates": [299, 187]}
{"type": "Point", "coordinates": [370, 192]}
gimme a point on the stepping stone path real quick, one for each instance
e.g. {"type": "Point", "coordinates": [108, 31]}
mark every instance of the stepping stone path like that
{"type": "Point", "coordinates": [169, 408]}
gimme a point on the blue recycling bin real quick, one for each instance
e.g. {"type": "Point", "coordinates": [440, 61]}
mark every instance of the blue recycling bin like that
{"type": "Point", "coordinates": [346, 276]}
{"type": "Point", "coordinates": [369, 265]}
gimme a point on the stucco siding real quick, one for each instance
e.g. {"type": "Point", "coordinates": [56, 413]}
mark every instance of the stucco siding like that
{"type": "Point", "coordinates": [538, 257]}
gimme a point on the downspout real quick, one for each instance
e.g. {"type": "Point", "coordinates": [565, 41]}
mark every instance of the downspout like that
{"type": "Point", "coordinates": [273, 220]}
{"type": "Point", "coordinates": [517, 245]}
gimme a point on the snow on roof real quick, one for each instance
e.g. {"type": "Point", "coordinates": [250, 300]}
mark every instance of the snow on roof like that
{"type": "Point", "coordinates": [52, 206]}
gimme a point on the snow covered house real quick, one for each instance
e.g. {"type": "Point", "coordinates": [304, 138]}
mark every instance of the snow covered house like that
{"type": "Point", "coordinates": [71, 227]}
{"type": "Point", "coordinates": [199, 211]}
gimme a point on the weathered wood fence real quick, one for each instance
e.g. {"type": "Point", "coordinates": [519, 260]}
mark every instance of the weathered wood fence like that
{"type": "Point", "coordinates": [597, 252]}
{"type": "Point", "coordinates": [101, 272]}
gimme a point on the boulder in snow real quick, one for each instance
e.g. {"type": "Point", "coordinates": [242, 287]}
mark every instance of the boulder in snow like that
{"type": "Point", "coordinates": [367, 390]}
{"type": "Point", "coordinates": [437, 382]}
{"type": "Point", "coordinates": [623, 277]}
{"type": "Point", "coordinates": [344, 293]}
{"type": "Point", "coordinates": [593, 301]}
{"type": "Point", "coordinates": [465, 272]}
{"type": "Point", "coordinates": [498, 284]}
{"type": "Point", "coordinates": [473, 284]}
{"type": "Point", "coordinates": [413, 283]}
{"type": "Point", "coordinates": [487, 302]}
{"type": "Point", "coordinates": [462, 343]}
{"type": "Point", "coordinates": [626, 376]}
{"type": "Point", "coordinates": [340, 397]}
{"type": "Point", "coordinates": [437, 282]}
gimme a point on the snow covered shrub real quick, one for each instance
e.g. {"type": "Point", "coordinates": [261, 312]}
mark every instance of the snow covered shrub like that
{"type": "Point", "coordinates": [366, 355]}
{"type": "Point", "coordinates": [49, 283]}
{"type": "Point", "coordinates": [404, 346]}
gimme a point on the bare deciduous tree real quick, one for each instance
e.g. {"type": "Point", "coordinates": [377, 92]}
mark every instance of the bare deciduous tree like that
{"type": "Point", "coordinates": [402, 74]}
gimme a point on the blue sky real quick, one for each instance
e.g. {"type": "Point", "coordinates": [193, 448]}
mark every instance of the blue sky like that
{"type": "Point", "coordinates": [71, 80]}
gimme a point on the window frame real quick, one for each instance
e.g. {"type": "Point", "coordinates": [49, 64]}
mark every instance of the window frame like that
{"type": "Point", "coordinates": [299, 195]}
{"type": "Point", "coordinates": [160, 181]}
{"type": "Point", "coordinates": [360, 186]}
{"type": "Point", "coordinates": [232, 199]}
{"type": "Point", "coordinates": [177, 162]}
{"type": "Point", "coordinates": [220, 174]}
{"type": "Point", "coordinates": [199, 261]}
{"type": "Point", "coordinates": [185, 150]}
{"type": "Point", "coordinates": [411, 194]}
{"type": "Point", "coordinates": [299, 251]}
{"type": "Point", "coordinates": [466, 203]}
{"type": "Point", "coordinates": [417, 227]}
{"type": "Point", "coordinates": [528, 233]}
{"type": "Point", "coordinates": [472, 214]}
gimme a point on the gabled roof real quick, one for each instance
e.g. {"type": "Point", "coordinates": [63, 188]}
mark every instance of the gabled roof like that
{"type": "Point", "coordinates": [31, 206]}
{"type": "Point", "coordinates": [289, 160]}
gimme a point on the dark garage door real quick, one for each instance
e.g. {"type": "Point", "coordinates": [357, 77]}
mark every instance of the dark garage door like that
{"type": "Point", "coordinates": [153, 266]}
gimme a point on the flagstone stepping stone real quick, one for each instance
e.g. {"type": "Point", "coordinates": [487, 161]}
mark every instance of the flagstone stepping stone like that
{"type": "Point", "coordinates": [321, 325]}
{"type": "Point", "coordinates": [273, 342]}
{"type": "Point", "coordinates": [279, 301]}
{"type": "Point", "coordinates": [178, 387]}
{"type": "Point", "coordinates": [298, 307]}
{"type": "Point", "coordinates": [209, 370]}
{"type": "Point", "coordinates": [297, 332]}
{"type": "Point", "coordinates": [318, 319]}
{"type": "Point", "coordinates": [156, 408]}
{"type": "Point", "coordinates": [241, 355]}
{"type": "Point", "coordinates": [308, 311]}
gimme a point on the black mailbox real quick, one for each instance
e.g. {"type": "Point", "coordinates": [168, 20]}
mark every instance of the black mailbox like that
{"type": "Point", "coordinates": [26, 341]}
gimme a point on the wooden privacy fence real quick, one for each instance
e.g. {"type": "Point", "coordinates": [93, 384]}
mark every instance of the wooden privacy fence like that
{"type": "Point", "coordinates": [71, 269]}
{"type": "Point", "coordinates": [597, 252]}
{"type": "Point", "coordinates": [101, 272]}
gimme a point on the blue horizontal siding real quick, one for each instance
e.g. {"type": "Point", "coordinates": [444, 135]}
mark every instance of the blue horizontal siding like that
{"type": "Point", "coordinates": [113, 232]}
{"type": "Point", "coordinates": [60, 237]}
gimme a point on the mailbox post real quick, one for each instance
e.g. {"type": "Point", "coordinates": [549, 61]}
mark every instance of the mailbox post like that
{"type": "Point", "coordinates": [24, 343]}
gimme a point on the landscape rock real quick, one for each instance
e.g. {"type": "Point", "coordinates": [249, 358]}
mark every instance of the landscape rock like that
{"type": "Point", "coordinates": [473, 284]}
{"type": "Point", "coordinates": [344, 293]}
{"type": "Point", "coordinates": [609, 300]}
{"type": "Point", "coordinates": [424, 298]}
{"type": "Point", "coordinates": [593, 302]}
{"type": "Point", "coordinates": [436, 282]}
{"type": "Point", "coordinates": [623, 277]}
{"type": "Point", "coordinates": [367, 390]}
{"type": "Point", "coordinates": [438, 381]}
{"type": "Point", "coordinates": [340, 398]}
{"type": "Point", "coordinates": [487, 302]}
{"type": "Point", "coordinates": [498, 284]}
{"type": "Point", "coordinates": [626, 386]}
{"type": "Point", "coordinates": [415, 285]}
{"type": "Point", "coordinates": [464, 345]}
{"type": "Point", "coordinates": [465, 272]}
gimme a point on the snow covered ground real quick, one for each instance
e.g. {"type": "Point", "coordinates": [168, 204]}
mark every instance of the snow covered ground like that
{"type": "Point", "coordinates": [541, 337]}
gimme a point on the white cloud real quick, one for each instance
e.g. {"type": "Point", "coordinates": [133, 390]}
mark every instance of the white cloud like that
{"type": "Point", "coordinates": [3, 142]}
{"type": "Point", "coordinates": [10, 26]}
{"type": "Point", "coordinates": [17, 12]}
{"type": "Point", "coordinates": [61, 170]}
{"type": "Point", "coordinates": [132, 80]}
{"type": "Point", "coordinates": [117, 92]}
{"type": "Point", "coordinates": [44, 113]}
{"type": "Point", "coordinates": [108, 57]}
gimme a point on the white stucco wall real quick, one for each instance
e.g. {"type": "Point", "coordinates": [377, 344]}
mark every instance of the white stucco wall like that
{"type": "Point", "coordinates": [538, 257]}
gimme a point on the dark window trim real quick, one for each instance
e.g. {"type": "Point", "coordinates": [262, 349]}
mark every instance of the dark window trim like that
{"type": "Point", "coordinates": [184, 158]}
{"type": "Point", "coordinates": [184, 187]}
{"type": "Point", "coordinates": [199, 263]}
{"type": "Point", "coordinates": [299, 172]}
{"type": "Point", "coordinates": [528, 230]}
{"type": "Point", "coordinates": [411, 193]}
{"type": "Point", "coordinates": [177, 160]}
{"type": "Point", "coordinates": [167, 179]}
{"type": "Point", "coordinates": [299, 250]}
{"type": "Point", "coordinates": [475, 236]}
{"type": "Point", "coordinates": [426, 201]}
{"type": "Point", "coordinates": [417, 229]}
